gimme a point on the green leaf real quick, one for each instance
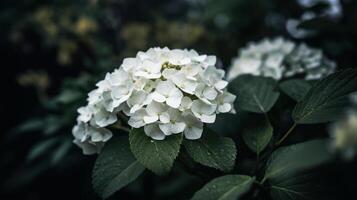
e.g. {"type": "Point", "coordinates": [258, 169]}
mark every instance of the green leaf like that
{"type": "Point", "coordinates": [295, 88]}
{"type": "Point", "coordinates": [327, 98]}
{"type": "Point", "coordinates": [256, 94]}
{"type": "Point", "coordinates": [61, 152]}
{"type": "Point", "coordinates": [301, 186]}
{"type": "Point", "coordinates": [68, 96]}
{"type": "Point", "coordinates": [156, 155]}
{"type": "Point", "coordinates": [42, 148]}
{"type": "Point", "coordinates": [227, 123]}
{"type": "Point", "coordinates": [259, 136]}
{"type": "Point", "coordinates": [298, 157]}
{"type": "Point", "coordinates": [213, 151]}
{"type": "Point", "coordinates": [115, 168]}
{"type": "Point", "coordinates": [30, 125]}
{"type": "Point", "coordinates": [229, 187]}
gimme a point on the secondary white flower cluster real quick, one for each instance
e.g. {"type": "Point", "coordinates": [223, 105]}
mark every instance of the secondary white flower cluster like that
{"type": "Point", "coordinates": [344, 132]}
{"type": "Point", "coordinates": [280, 58]}
{"type": "Point", "coordinates": [165, 91]}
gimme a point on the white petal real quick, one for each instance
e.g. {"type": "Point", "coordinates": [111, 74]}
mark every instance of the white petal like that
{"type": "Point", "coordinates": [136, 122]}
{"type": "Point", "coordinates": [104, 118]}
{"type": "Point", "coordinates": [193, 133]}
{"type": "Point", "coordinates": [244, 66]}
{"type": "Point", "coordinates": [165, 128]}
{"type": "Point", "coordinates": [186, 103]}
{"type": "Point", "coordinates": [158, 97]}
{"type": "Point", "coordinates": [191, 70]}
{"type": "Point", "coordinates": [135, 108]}
{"type": "Point", "coordinates": [125, 108]}
{"type": "Point", "coordinates": [220, 85]}
{"type": "Point", "coordinates": [208, 118]}
{"type": "Point", "coordinates": [228, 97]}
{"type": "Point", "coordinates": [206, 101]}
{"type": "Point", "coordinates": [119, 91]}
{"type": "Point", "coordinates": [153, 131]}
{"type": "Point", "coordinates": [88, 148]}
{"type": "Point", "coordinates": [200, 58]}
{"type": "Point", "coordinates": [137, 97]}
{"type": "Point", "coordinates": [103, 85]}
{"type": "Point", "coordinates": [165, 87]}
{"type": "Point", "coordinates": [165, 117]}
{"type": "Point", "coordinates": [129, 64]}
{"type": "Point", "coordinates": [185, 61]}
{"type": "Point", "coordinates": [85, 114]}
{"type": "Point", "coordinates": [199, 106]}
{"type": "Point", "coordinates": [96, 136]}
{"type": "Point", "coordinates": [79, 131]}
{"type": "Point", "coordinates": [118, 102]}
{"type": "Point", "coordinates": [107, 134]}
{"type": "Point", "coordinates": [175, 98]}
{"type": "Point", "coordinates": [118, 77]}
{"type": "Point", "coordinates": [155, 108]}
{"type": "Point", "coordinates": [151, 119]}
{"type": "Point", "coordinates": [169, 73]}
{"type": "Point", "coordinates": [210, 93]}
{"type": "Point", "coordinates": [189, 86]}
{"type": "Point", "coordinates": [224, 108]}
{"type": "Point", "coordinates": [177, 127]}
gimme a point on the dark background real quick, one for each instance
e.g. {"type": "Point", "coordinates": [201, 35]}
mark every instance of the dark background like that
{"type": "Point", "coordinates": [53, 52]}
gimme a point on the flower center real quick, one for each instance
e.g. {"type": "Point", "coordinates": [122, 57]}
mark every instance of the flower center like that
{"type": "Point", "coordinates": [167, 65]}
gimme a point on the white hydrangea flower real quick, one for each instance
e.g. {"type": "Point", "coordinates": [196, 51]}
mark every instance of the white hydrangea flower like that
{"type": "Point", "coordinates": [164, 91]}
{"type": "Point", "coordinates": [344, 132]}
{"type": "Point", "coordinates": [91, 139]}
{"type": "Point", "coordinates": [103, 118]}
{"type": "Point", "coordinates": [280, 58]}
{"type": "Point", "coordinates": [137, 119]}
{"type": "Point", "coordinates": [174, 124]}
{"type": "Point", "coordinates": [85, 114]}
{"type": "Point", "coordinates": [154, 131]}
{"type": "Point", "coordinates": [156, 111]}
{"type": "Point", "coordinates": [344, 135]}
{"type": "Point", "coordinates": [203, 111]}
{"type": "Point", "coordinates": [194, 127]}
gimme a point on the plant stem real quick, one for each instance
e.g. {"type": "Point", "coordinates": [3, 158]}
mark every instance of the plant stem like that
{"type": "Point", "coordinates": [120, 126]}
{"type": "Point", "coordinates": [257, 163]}
{"type": "Point", "coordinates": [286, 134]}
{"type": "Point", "coordinates": [263, 181]}
{"type": "Point", "coordinates": [123, 128]}
{"type": "Point", "coordinates": [123, 117]}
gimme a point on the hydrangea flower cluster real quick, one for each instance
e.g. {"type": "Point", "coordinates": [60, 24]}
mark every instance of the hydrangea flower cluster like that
{"type": "Point", "coordinates": [279, 58]}
{"type": "Point", "coordinates": [165, 91]}
{"type": "Point", "coordinates": [344, 132]}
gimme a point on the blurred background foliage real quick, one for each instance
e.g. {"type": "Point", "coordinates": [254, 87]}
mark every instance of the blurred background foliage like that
{"type": "Point", "coordinates": [54, 51]}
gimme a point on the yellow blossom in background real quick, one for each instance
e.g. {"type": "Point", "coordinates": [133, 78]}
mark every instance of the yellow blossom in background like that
{"type": "Point", "coordinates": [44, 17]}
{"type": "Point", "coordinates": [37, 79]}
{"type": "Point", "coordinates": [85, 25]}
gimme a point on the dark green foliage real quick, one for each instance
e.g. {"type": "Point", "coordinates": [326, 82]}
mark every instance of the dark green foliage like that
{"type": "Point", "coordinates": [229, 187]}
{"type": "Point", "coordinates": [114, 168]}
{"type": "Point", "coordinates": [156, 155]}
{"type": "Point", "coordinates": [213, 150]}
{"type": "Point", "coordinates": [327, 99]}
{"type": "Point", "coordinates": [256, 94]}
